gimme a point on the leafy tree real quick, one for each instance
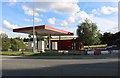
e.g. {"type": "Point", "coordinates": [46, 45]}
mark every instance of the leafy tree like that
{"type": "Point", "coordinates": [26, 39]}
{"type": "Point", "coordinates": [107, 38]}
{"type": "Point", "coordinates": [14, 45]}
{"type": "Point", "coordinates": [87, 33]}
{"type": "Point", "coordinates": [17, 44]}
{"type": "Point", "coordinates": [117, 42]}
{"type": "Point", "coordinates": [5, 42]}
{"type": "Point", "coordinates": [30, 38]}
{"type": "Point", "coordinates": [117, 39]}
{"type": "Point", "coordinates": [111, 39]}
{"type": "Point", "coordinates": [40, 38]}
{"type": "Point", "coordinates": [21, 43]}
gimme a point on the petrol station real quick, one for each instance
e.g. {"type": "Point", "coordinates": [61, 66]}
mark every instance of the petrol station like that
{"type": "Point", "coordinates": [43, 30]}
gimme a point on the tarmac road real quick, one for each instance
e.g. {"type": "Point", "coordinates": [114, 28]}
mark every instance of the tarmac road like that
{"type": "Point", "coordinates": [59, 67]}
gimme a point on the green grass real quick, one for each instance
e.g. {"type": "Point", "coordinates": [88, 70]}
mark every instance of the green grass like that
{"type": "Point", "coordinates": [16, 53]}
{"type": "Point", "coordinates": [55, 54]}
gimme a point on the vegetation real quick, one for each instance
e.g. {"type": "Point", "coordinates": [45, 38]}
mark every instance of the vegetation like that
{"type": "Point", "coordinates": [111, 39]}
{"type": "Point", "coordinates": [39, 38]}
{"type": "Point", "coordinates": [87, 33]}
{"type": "Point", "coordinates": [16, 44]}
{"type": "Point", "coordinates": [107, 38]}
{"type": "Point", "coordinates": [16, 53]}
{"type": "Point", "coordinates": [5, 42]}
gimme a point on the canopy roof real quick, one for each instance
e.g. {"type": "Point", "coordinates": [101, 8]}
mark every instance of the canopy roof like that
{"type": "Point", "coordinates": [43, 30]}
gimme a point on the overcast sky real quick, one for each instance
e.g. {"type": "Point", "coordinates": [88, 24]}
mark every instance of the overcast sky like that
{"type": "Point", "coordinates": [64, 15]}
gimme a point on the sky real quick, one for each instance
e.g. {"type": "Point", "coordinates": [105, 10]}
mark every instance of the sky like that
{"type": "Point", "coordinates": [64, 15]}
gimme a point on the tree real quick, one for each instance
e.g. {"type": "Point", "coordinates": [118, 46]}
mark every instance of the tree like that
{"type": "Point", "coordinates": [5, 42]}
{"type": "Point", "coordinates": [30, 38]}
{"type": "Point", "coordinates": [111, 39]}
{"type": "Point", "coordinates": [17, 44]}
{"type": "Point", "coordinates": [117, 42]}
{"type": "Point", "coordinates": [26, 39]}
{"type": "Point", "coordinates": [107, 38]}
{"type": "Point", "coordinates": [40, 38]}
{"type": "Point", "coordinates": [87, 33]}
{"type": "Point", "coordinates": [117, 39]}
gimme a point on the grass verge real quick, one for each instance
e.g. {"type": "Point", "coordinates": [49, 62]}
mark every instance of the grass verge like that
{"type": "Point", "coordinates": [16, 53]}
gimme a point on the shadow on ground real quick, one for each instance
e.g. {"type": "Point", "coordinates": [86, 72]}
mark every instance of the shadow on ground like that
{"type": "Point", "coordinates": [96, 69]}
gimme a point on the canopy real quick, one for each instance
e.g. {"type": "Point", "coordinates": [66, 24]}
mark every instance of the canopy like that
{"type": "Point", "coordinates": [43, 30]}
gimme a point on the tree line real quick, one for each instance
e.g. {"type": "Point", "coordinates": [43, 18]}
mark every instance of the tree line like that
{"type": "Point", "coordinates": [14, 44]}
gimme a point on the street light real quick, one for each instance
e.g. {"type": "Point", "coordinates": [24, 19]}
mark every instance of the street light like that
{"type": "Point", "coordinates": [34, 39]}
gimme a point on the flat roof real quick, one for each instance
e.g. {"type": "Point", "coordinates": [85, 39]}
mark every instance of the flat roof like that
{"type": "Point", "coordinates": [43, 30]}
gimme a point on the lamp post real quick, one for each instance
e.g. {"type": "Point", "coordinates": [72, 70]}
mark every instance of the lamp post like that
{"type": "Point", "coordinates": [34, 39]}
{"type": "Point", "coordinates": [118, 16]}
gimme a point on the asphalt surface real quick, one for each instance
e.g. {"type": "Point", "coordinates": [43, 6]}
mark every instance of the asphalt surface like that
{"type": "Point", "coordinates": [91, 66]}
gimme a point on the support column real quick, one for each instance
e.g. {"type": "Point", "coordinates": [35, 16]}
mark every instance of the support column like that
{"type": "Point", "coordinates": [59, 37]}
{"type": "Point", "coordinates": [49, 41]}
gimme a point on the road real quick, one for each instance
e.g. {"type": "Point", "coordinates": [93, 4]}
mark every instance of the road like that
{"type": "Point", "coordinates": [59, 67]}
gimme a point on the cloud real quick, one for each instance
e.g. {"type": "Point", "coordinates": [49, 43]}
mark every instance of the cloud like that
{"type": "Point", "coordinates": [12, 2]}
{"type": "Point", "coordinates": [79, 16]}
{"type": "Point", "coordinates": [7, 28]}
{"type": "Point", "coordinates": [52, 20]}
{"type": "Point", "coordinates": [69, 7]}
{"type": "Point", "coordinates": [35, 20]}
{"type": "Point", "coordinates": [12, 34]}
{"type": "Point", "coordinates": [109, 10]}
{"type": "Point", "coordinates": [105, 25]}
{"type": "Point", "coordinates": [56, 0]}
{"type": "Point", "coordinates": [8, 25]}
{"type": "Point", "coordinates": [95, 11]}
{"type": "Point", "coordinates": [3, 32]}
{"type": "Point", "coordinates": [29, 11]}
{"type": "Point", "coordinates": [64, 23]}
{"type": "Point", "coordinates": [75, 0]}
{"type": "Point", "coordinates": [105, 10]}
{"type": "Point", "coordinates": [71, 19]}
{"type": "Point", "coordinates": [65, 7]}
{"type": "Point", "coordinates": [82, 15]}
{"type": "Point", "coordinates": [40, 9]}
